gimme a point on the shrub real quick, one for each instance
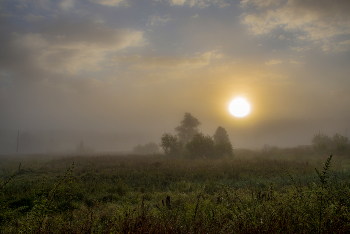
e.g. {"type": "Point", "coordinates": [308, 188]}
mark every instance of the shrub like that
{"type": "Point", "coordinates": [223, 146]}
{"type": "Point", "coordinates": [171, 144]}
{"type": "Point", "coordinates": [223, 150]}
{"type": "Point", "coordinates": [201, 146]}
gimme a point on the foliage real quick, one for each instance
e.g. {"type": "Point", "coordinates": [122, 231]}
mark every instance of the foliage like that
{"type": "Point", "coordinates": [171, 144]}
{"type": "Point", "coordinates": [223, 150]}
{"type": "Point", "coordinates": [149, 148]}
{"type": "Point", "coordinates": [340, 143]}
{"type": "Point", "coordinates": [324, 174]}
{"type": "Point", "coordinates": [322, 143]}
{"type": "Point", "coordinates": [200, 146]}
{"type": "Point", "coordinates": [6, 213]}
{"type": "Point", "coordinates": [188, 128]}
{"type": "Point", "coordinates": [249, 193]}
{"type": "Point", "coordinates": [221, 136]}
{"type": "Point", "coordinates": [223, 146]}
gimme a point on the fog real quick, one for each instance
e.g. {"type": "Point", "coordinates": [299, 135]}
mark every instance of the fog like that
{"type": "Point", "coordinates": [276, 133]}
{"type": "Point", "coordinates": [115, 74]}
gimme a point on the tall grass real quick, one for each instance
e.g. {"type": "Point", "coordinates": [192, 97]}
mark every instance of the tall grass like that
{"type": "Point", "coordinates": [154, 194]}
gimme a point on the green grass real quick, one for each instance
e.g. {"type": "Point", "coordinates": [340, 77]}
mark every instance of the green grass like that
{"type": "Point", "coordinates": [249, 193]}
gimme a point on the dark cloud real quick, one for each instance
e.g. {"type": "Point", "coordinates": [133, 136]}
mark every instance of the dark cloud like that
{"type": "Point", "coordinates": [91, 33]}
{"type": "Point", "coordinates": [335, 8]}
{"type": "Point", "coordinates": [64, 47]}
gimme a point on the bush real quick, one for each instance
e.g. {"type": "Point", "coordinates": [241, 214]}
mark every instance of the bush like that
{"type": "Point", "coordinates": [223, 150]}
{"type": "Point", "coordinates": [340, 143]}
{"type": "Point", "coordinates": [223, 146]}
{"type": "Point", "coordinates": [323, 143]}
{"type": "Point", "coordinates": [171, 144]}
{"type": "Point", "coordinates": [201, 146]}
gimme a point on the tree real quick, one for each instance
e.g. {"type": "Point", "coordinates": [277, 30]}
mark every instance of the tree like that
{"type": "Point", "coordinates": [223, 146]}
{"type": "Point", "coordinates": [201, 146]}
{"type": "Point", "coordinates": [221, 136]}
{"type": "Point", "coordinates": [188, 128]}
{"type": "Point", "coordinates": [340, 143]}
{"type": "Point", "coordinates": [149, 148]}
{"type": "Point", "coordinates": [171, 144]}
{"type": "Point", "coordinates": [321, 142]}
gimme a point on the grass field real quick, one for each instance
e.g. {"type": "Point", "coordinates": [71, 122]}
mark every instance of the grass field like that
{"type": "Point", "coordinates": [249, 193]}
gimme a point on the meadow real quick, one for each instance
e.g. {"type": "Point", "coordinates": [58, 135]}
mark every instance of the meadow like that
{"type": "Point", "coordinates": [252, 192]}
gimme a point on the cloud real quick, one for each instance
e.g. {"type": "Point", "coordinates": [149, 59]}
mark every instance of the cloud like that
{"type": "Point", "coordinates": [259, 3]}
{"type": "Point", "coordinates": [155, 20]}
{"type": "Point", "coordinates": [110, 2]}
{"type": "Point", "coordinates": [16, 8]}
{"type": "Point", "coordinates": [199, 3]}
{"type": "Point", "coordinates": [69, 47]}
{"type": "Point", "coordinates": [342, 46]}
{"type": "Point", "coordinates": [67, 4]}
{"type": "Point", "coordinates": [178, 2]}
{"type": "Point", "coordinates": [273, 62]}
{"type": "Point", "coordinates": [296, 62]}
{"type": "Point", "coordinates": [34, 18]}
{"type": "Point", "coordinates": [318, 21]}
{"type": "Point", "coordinates": [298, 48]}
{"type": "Point", "coordinates": [145, 63]}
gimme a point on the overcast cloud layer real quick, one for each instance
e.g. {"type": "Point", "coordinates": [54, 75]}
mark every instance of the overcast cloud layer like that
{"type": "Point", "coordinates": [132, 68]}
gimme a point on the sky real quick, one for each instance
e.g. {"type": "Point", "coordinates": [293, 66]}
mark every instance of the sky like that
{"type": "Point", "coordinates": [131, 69]}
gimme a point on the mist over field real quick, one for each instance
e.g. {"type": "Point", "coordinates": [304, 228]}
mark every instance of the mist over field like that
{"type": "Point", "coordinates": [253, 137]}
{"type": "Point", "coordinates": [118, 73]}
{"type": "Point", "coordinates": [174, 116]}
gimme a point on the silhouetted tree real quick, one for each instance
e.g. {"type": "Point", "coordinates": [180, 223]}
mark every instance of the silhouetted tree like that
{"type": "Point", "coordinates": [149, 148]}
{"type": "Point", "coordinates": [321, 142]}
{"type": "Point", "coordinates": [171, 144]}
{"type": "Point", "coordinates": [221, 135]}
{"type": "Point", "coordinates": [188, 128]}
{"type": "Point", "coordinates": [340, 143]}
{"type": "Point", "coordinates": [201, 146]}
{"type": "Point", "coordinates": [223, 146]}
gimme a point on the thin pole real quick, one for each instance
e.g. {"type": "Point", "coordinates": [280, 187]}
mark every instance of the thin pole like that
{"type": "Point", "coordinates": [17, 142]}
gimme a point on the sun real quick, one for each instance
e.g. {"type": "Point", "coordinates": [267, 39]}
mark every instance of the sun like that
{"type": "Point", "coordinates": [239, 107]}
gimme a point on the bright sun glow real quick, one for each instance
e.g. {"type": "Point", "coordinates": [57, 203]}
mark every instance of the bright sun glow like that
{"type": "Point", "coordinates": [239, 107]}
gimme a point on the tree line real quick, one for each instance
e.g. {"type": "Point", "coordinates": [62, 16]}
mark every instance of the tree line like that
{"type": "Point", "coordinates": [192, 143]}
{"type": "Point", "coordinates": [338, 143]}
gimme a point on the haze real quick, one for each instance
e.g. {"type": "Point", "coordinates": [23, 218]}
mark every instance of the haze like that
{"type": "Point", "coordinates": [117, 73]}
